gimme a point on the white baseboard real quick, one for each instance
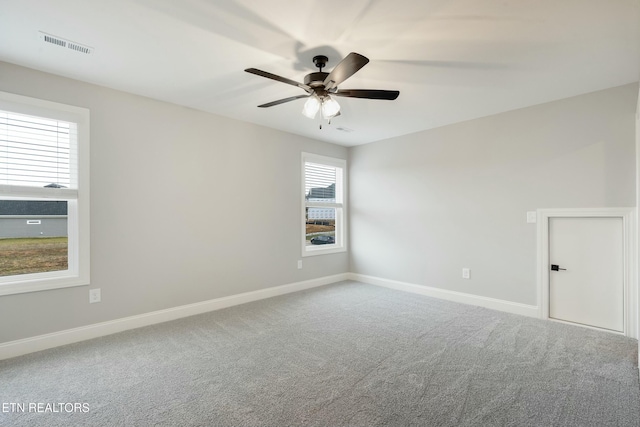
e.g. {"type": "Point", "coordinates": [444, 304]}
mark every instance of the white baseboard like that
{"type": "Point", "coordinates": [492, 303]}
{"type": "Point", "coordinates": [69, 336]}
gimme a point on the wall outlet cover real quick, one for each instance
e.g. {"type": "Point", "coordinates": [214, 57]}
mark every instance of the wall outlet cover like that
{"type": "Point", "coordinates": [94, 295]}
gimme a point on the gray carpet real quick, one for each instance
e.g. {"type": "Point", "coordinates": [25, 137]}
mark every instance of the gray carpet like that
{"type": "Point", "coordinates": [342, 355]}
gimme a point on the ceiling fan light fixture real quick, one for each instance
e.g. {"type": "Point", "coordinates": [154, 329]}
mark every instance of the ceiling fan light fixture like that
{"type": "Point", "coordinates": [330, 107]}
{"type": "Point", "coordinates": [311, 107]}
{"type": "Point", "coordinates": [318, 85]}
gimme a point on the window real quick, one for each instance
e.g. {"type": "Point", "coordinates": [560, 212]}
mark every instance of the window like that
{"type": "Point", "coordinates": [44, 195]}
{"type": "Point", "coordinates": [323, 205]}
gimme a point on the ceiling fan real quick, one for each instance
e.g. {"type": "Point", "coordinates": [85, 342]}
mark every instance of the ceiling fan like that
{"type": "Point", "coordinates": [320, 86]}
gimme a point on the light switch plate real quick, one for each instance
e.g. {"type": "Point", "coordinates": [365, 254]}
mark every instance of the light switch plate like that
{"type": "Point", "coordinates": [532, 217]}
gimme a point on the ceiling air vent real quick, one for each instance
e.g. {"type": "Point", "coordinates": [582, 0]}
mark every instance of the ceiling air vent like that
{"type": "Point", "coordinates": [59, 41]}
{"type": "Point", "coordinates": [344, 129]}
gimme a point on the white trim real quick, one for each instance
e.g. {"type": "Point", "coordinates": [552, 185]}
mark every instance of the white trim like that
{"type": "Point", "coordinates": [79, 256]}
{"type": "Point", "coordinates": [486, 302]}
{"type": "Point", "coordinates": [630, 262]}
{"type": "Point", "coordinates": [340, 206]}
{"type": "Point", "coordinates": [595, 328]}
{"type": "Point", "coordinates": [323, 160]}
{"type": "Point", "coordinates": [69, 336]}
{"type": "Point", "coordinates": [40, 107]}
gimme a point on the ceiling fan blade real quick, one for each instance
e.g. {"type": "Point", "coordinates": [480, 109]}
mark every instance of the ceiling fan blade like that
{"type": "Point", "coordinates": [345, 69]}
{"type": "Point", "coordinates": [279, 79]}
{"type": "Point", "coordinates": [282, 101]}
{"type": "Point", "coordinates": [368, 94]}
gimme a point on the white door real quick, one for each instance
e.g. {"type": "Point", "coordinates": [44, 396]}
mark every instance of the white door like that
{"type": "Point", "coordinates": [586, 275]}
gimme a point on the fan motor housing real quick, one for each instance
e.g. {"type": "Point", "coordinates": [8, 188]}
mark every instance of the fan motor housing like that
{"type": "Point", "coordinates": [315, 79]}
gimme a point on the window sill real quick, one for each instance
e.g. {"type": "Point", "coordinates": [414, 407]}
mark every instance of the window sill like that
{"type": "Point", "coordinates": [314, 251]}
{"type": "Point", "coordinates": [41, 282]}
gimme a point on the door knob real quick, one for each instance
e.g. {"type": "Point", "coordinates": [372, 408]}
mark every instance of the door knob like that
{"type": "Point", "coordinates": [555, 267]}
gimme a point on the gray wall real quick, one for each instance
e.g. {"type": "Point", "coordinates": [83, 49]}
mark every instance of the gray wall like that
{"type": "Point", "coordinates": [422, 206]}
{"type": "Point", "coordinates": [12, 227]}
{"type": "Point", "coordinates": [425, 205]}
{"type": "Point", "coordinates": [638, 198]}
{"type": "Point", "coordinates": [174, 193]}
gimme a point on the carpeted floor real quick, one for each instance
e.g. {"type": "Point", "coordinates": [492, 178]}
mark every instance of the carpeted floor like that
{"type": "Point", "coordinates": [341, 355]}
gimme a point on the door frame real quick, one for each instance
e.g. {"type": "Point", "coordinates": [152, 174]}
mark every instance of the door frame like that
{"type": "Point", "coordinates": [628, 216]}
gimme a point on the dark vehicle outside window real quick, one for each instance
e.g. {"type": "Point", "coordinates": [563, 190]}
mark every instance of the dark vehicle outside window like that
{"type": "Point", "coordinates": [323, 240]}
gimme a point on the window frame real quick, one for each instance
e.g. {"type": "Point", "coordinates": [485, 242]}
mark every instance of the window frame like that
{"type": "Point", "coordinates": [78, 201]}
{"type": "Point", "coordinates": [340, 205]}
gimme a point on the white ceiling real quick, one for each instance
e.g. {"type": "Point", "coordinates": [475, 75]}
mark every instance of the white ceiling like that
{"type": "Point", "coordinates": [451, 60]}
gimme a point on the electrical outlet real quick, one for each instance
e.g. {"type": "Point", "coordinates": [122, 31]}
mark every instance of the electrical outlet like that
{"type": "Point", "coordinates": [299, 264]}
{"type": "Point", "coordinates": [94, 295]}
{"type": "Point", "coordinates": [466, 273]}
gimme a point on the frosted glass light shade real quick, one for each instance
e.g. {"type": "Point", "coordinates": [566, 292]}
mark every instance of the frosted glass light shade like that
{"type": "Point", "coordinates": [330, 108]}
{"type": "Point", "coordinates": [311, 107]}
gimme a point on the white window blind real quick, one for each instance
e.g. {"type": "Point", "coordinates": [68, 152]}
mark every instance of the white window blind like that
{"type": "Point", "coordinates": [320, 182]}
{"type": "Point", "coordinates": [37, 152]}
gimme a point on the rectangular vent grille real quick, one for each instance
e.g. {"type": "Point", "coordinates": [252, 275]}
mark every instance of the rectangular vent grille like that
{"type": "Point", "coordinates": [59, 41]}
{"type": "Point", "coordinates": [344, 129]}
{"type": "Point", "coordinates": [79, 48]}
{"type": "Point", "coordinates": [54, 40]}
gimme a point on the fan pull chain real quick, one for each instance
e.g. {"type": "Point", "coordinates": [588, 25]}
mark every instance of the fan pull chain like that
{"type": "Point", "coordinates": [328, 122]}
